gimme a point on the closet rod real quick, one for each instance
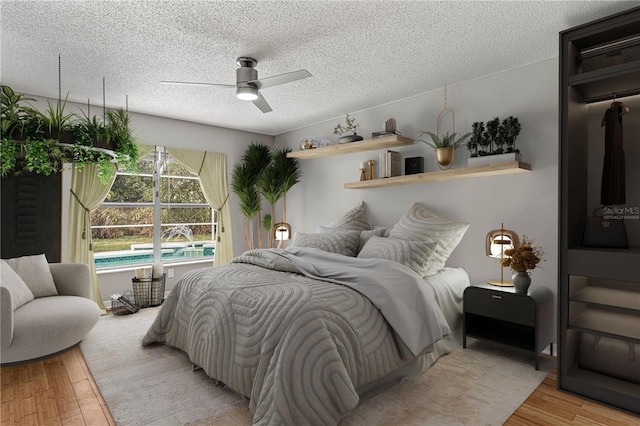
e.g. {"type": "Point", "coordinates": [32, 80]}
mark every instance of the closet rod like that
{"type": "Point", "coordinates": [611, 96]}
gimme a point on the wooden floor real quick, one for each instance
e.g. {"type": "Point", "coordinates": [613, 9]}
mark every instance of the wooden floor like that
{"type": "Point", "coordinates": [55, 391]}
{"type": "Point", "coordinates": [61, 391]}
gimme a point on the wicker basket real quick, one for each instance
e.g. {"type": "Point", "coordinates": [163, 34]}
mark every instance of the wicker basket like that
{"type": "Point", "coordinates": [149, 291]}
{"type": "Point", "coordinates": [124, 305]}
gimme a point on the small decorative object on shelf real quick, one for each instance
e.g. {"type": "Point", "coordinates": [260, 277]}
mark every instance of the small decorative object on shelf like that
{"type": "Point", "coordinates": [363, 171]}
{"type": "Point", "coordinates": [309, 142]}
{"type": "Point", "coordinates": [350, 126]}
{"type": "Point", "coordinates": [372, 170]}
{"type": "Point", "coordinates": [389, 129]}
{"type": "Point", "coordinates": [413, 165]}
{"type": "Point", "coordinates": [521, 259]}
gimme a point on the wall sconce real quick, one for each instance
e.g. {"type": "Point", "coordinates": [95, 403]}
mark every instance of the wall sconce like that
{"type": "Point", "coordinates": [281, 232]}
{"type": "Point", "coordinates": [497, 242]}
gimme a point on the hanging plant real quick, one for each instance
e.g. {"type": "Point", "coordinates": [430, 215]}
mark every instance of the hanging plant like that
{"type": "Point", "coordinates": [41, 142]}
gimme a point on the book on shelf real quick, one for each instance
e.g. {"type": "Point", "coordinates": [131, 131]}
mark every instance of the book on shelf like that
{"type": "Point", "coordinates": [384, 133]}
{"type": "Point", "coordinates": [390, 164]}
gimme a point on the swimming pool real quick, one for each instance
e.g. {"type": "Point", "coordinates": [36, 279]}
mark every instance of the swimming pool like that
{"type": "Point", "coordinates": [143, 254]}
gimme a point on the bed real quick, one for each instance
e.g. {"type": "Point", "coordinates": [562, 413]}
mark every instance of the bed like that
{"type": "Point", "coordinates": [304, 332]}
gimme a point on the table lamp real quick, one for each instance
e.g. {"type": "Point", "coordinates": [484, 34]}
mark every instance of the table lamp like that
{"type": "Point", "coordinates": [498, 241]}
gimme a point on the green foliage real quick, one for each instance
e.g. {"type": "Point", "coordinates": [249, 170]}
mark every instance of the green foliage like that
{"type": "Point", "coordinates": [267, 223]}
{"type": "Point", "coordinates": [33, 140]}
{"type": "Point", "coordinates": [263, 173]}
{"type": "Point", "coordinates": [350, 126]}
{"type": "Point", "coordinates": [447, 140]}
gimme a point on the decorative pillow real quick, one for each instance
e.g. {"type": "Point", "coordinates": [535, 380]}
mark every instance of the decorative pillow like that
{"type": "Point", "coordinates": [345, 242]}
{"type": "Point", "coordinates": [375, 232]}
{"type": "Point", "coordinates": [421, 224]}
{"type": "Point", "coordinates": [34, 271]}
{"type": "Point", "coordinates": [414, 254]}
{"type": "Point", "coordinates": [20, 293]}
{"type": "Point", "coordinates": [354, 219]}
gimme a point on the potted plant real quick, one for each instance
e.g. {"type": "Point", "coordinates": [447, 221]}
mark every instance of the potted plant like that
{"type": "Point", "coordinates": [477, 140]}
{"type": "Point", "coordinates": [41, 142]}
{"type": "Point", "coordinates": [521, 259]}
{"type": "Point", "coordinates": [492, 133]}
{"type": "Point", "coordinates": [350, 126]}
{"type": "Point", "coordinates": [445, 147]}
{"type": "Point", "coordinates": [512, 129]}
{"type": "Point", "coordinates": [263, 173]}
{"type": "Point", "coordinates": [492, 140]}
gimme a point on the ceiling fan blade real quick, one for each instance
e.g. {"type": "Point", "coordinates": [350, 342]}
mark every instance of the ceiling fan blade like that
{"type": "Point", "coordinates": [262, 104]}
{"type": "Point", "coordinates": [189, 83]}
{"type": "Point", "coordinates": [263, 83]}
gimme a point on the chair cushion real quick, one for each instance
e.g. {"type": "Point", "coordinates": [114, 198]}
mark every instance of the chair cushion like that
{"type": "Point", "coordinates": [20, 293]}
{"type": "Point", "coordinates": [34, 271]}
{"type": "Point", "coordinates": [48, 325]}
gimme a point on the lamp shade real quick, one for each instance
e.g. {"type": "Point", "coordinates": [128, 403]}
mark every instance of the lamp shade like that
{"type": "Point", "coordinates": [500, 240]}
{"type": "Point", "coordinates": [247, 93]}
{"type": "Point", "coordinates": [282, 231]}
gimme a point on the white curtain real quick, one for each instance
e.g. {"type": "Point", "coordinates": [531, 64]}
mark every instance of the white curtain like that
{"type": "Point", "coordinates": [87, 193]}
{"type": "Point", "coordinates": [211, 169]}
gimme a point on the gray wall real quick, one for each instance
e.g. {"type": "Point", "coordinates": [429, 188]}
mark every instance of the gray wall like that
{"type": "Point", "coordinates": [526, 202]}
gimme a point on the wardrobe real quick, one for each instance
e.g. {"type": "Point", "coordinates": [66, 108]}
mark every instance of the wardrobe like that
{"type": "Point", "coordinates": [599, 211]}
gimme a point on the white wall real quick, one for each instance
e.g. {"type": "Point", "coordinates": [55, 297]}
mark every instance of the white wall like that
{"type": "Point", "coordinates": [526, 202]}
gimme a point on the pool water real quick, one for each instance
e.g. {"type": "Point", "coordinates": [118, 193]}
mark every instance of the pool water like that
{"type": "Point", "coordinates": [143, 253]}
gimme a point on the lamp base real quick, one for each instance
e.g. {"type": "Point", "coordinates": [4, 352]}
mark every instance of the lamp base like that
{"type": "Point", "coordinates": [500, 283]}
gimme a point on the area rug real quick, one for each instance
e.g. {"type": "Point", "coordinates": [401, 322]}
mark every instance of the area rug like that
{"type": "Point", "coordinates": [155, 385]}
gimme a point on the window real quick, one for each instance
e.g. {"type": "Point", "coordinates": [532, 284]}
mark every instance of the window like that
{"type": "Point", "coordinates": [135, 225]}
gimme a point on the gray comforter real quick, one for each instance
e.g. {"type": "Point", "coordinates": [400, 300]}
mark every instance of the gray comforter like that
{"type": "Point", "coordinates": [274, 326]}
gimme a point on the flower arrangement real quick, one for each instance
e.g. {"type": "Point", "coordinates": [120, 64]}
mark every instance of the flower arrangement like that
{"type": "Point", "coordinates": [524, 257]}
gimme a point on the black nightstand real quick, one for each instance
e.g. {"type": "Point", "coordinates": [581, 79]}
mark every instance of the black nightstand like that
{"type": "Point", "coordinates": [501, 315]}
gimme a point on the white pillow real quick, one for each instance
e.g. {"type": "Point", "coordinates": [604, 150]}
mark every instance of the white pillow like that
{"type": "Point", "coordinates": [354, 219]}
{"type": "Point", "coordinates": [34, 271]}
{"type": "Point", "coordinates": [345, 242]}
{"type": "Point", "coordinates": [422, 225]}
{"type": "Point", "coordinates": [20, 293]}
{"type": "Point", "coordinates": [414, 254]}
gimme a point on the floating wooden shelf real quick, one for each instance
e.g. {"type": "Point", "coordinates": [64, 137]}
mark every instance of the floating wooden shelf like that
{"type": "Point", "coordinates": [442, 175]}
{"type": "Point", "coordinates": [352, 147]}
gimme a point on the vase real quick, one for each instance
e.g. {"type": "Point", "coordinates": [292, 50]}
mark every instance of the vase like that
{"type": "Point", "coordinates": [350, 138]}
{"type": "Point", "coordinates": [521, 281]}
{"type": "Point", "coordinates": [445, 157]}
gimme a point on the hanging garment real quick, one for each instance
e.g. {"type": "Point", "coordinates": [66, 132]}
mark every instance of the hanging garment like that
{"type": "Point", "coordinates": [613, 191]}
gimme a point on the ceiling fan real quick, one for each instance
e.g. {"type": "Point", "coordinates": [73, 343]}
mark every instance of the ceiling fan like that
{"type": "Point", "coordinates": [248, 85]}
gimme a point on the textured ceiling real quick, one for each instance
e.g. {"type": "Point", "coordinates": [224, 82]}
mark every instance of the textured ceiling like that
{"type": "Point", "coordinates": [361, 54]}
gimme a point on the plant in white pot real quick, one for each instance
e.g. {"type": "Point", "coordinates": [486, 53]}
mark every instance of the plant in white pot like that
{"type": "Point", "coordinates": [444, 146]}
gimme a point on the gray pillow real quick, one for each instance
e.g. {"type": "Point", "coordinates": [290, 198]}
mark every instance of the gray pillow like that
{"type": "Point", "coordinates": [380, 231]}
{"type": "Point", "coordinates": [419, 224]}
{"type": "Point", "coordinates": [354, 219]}
{"type": "Point", "coordinates": [414, 254]}
{"type": "Point", "coordinates": [34, 271]}
{"type": "Point", "coordinates": [375, 232]}
{"type": "Point", "coordinates": [20, 293]}
{"type": "Point", "coordinates": [345, 242]}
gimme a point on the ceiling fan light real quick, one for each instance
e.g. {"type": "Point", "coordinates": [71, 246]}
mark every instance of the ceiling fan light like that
{"type": "Point", "coordinates": [247, 93]}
